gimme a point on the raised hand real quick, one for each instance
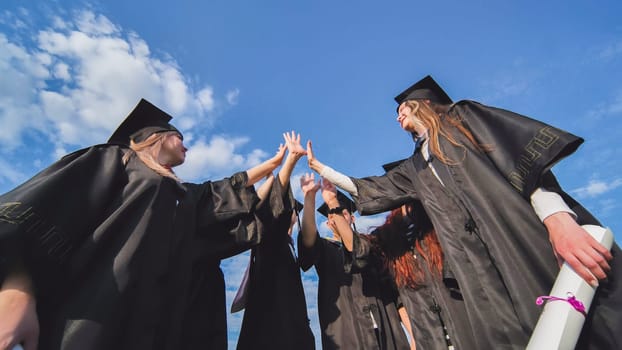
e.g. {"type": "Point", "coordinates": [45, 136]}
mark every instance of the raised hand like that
{"type": "Point", "coordinates": [259, 171]}
{"type": "Point", "coordinates": [277, 159]}
{"type": "Point", "coordinates": [308, 184]}
{"type": "Point", "coordinates": [292, 141]}
{"type": "Point", "coordinates": [314, 164]}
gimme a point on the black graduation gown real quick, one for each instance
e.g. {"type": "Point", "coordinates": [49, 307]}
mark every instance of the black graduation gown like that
{"type": "Point", "coordinates": [124, 258]}
{"type": "Point", "coordinates": [435, 308]}
{"type": "Point", "coordinates": [349, 302]}
{"type": "Point", "coordinates": [496, 246]}
{"type": "Point", "coordinates": [275, 315]}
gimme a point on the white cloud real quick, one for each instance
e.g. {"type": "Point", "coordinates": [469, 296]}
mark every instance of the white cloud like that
{"type": "Point", "coordinates": [81, 76]}
{"type": "Point", "coordinates": [9, 174]}
{"type": "Point", "coordinates": [595, 188]}
{"type": "Point", "coordinates": [58, 23]}
{"type": "Point", "coordinates": [606, 109]}
{"type": "Point", "coordinates": [13, 21]}
{"type": "Point", "coordinates": [507, 85]}
{"type": "Point", "coordinates": [91, 23]}
{"type": "Point", "coordinates": [206, 98]}
{"type": "Point", "coordinates": [220, 157]}
{"type": "Point", "coordinates": [61, 71]}
{"type": "Point", "coordinates": [232, 96]}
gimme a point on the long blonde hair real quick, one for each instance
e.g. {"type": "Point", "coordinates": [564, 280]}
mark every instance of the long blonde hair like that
{"type": "Point", "coordinates": [148, 150]}
{"type": "Point", "coordinates": [439, 122]}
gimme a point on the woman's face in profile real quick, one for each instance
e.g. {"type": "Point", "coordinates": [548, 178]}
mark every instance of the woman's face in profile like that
{"type": "Point", "coordinates": [408, 121]}
{"type": "Point", "coordinates": [403, 118]}
{"type": "Point", "coordinates": [173, 149]}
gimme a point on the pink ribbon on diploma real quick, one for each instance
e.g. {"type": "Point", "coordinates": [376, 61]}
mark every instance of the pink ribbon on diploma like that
{"type": "Point", "coordinates": [576, 304]}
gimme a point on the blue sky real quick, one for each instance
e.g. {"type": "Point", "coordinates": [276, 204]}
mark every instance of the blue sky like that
{"type": "Point", "coordinates": [237, 74]}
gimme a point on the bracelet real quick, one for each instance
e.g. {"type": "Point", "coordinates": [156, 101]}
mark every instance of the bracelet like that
{"type": "Point", "coordinates": [336, 210]}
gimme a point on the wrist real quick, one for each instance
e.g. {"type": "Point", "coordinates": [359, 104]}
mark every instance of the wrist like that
{"type": "Point", "coordinates": [335, 210]}
{"type": "Point", "coordinates": [558, 218]}
{"type": "Point", "coordinates": [332, 203]}
{"type": "Point", "coordinates": [309, 194]}
{"type": "Point", "coordinates": [293, 157]}
{"type": "Point", "coordinates": [316, 166]}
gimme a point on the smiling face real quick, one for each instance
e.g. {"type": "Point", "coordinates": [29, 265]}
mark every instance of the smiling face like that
{"type": "Point", "coordinates": [173, 152]}
{"type": "Point", "coordinates": [408, 121]}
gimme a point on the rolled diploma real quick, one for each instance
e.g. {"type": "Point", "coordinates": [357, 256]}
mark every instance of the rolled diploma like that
{"type": "Point", "coordinates": [559, 325]}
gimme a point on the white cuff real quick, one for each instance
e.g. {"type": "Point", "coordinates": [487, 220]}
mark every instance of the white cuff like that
{"type": "Point", "coordinates": [545, 203]}
{"type": "Point", "coordinates": [338, 179]}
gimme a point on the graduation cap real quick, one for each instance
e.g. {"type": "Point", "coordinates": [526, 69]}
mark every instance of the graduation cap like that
{"type": "Point", "coordinates": [424, 89]}
{"type": "Point", "coordinates": [344, 202]}
{"type": "Point", "coordinates": [392, 165]}
{"type": "Point", "coordinates": [297, 206]}
{"type": "Point", "coordinates": [145, 120]}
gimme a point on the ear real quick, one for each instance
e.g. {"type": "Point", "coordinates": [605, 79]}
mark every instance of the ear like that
{"type": "Point", "coordinates": [351, 217]}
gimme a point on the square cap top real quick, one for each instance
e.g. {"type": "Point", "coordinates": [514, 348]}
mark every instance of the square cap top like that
{"type": "Point", "coordinates": [424, 89]}
{"type": "Point", "coordinates": [143, 121]}
{"type": "Point", "coordinates": [344, 202]}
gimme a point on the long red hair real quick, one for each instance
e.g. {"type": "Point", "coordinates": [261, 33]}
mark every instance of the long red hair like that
{"type": "Point", "coordinates": [396, 239]}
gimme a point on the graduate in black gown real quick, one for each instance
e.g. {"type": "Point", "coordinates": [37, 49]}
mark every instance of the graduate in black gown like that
{"type": "Point", "coordinates": [483, 175]}
{"type": "Point", "coordinates": [275, 315]}
{"type": "Point", "coordinates": [108, 249]}
{"type": "Point", "coordinates": [411, 252]}
{"type": "Point", "coordinates": [357, 308]}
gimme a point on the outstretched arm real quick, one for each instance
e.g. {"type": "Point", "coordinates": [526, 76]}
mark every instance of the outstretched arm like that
{"type": "Point", "coordinates": [340, 180]}
{"type": "Point", "coordinates": [372, 194]}
{"type": "Point", "coordinates": [264, 190]}
{"type": "Point", "coordinates": [19, 324]}
{"type": "Point", "coordinates": [309, 227]}
{"type": "Point", "coordinates": [258, 172]}
{"type": "Point", "coordinates": [295, 152]}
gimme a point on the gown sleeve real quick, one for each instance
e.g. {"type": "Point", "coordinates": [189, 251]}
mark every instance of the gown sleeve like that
{"type": "Point", "coordinates": [310, 256]}
{"type": "Point", "coordinates": [378, 194]}
{"type": "Point", "coordinates": [358, 257]}
{"type": "Point", "coordinates": [44, 220]}
{"type": "Point", "coordinates": [226, 216]}
{"type": "Point", "coordinates": [523, 149]}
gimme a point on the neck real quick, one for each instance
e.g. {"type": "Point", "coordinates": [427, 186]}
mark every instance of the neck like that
{"type": "Point", "coordinates": [422, 134]}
